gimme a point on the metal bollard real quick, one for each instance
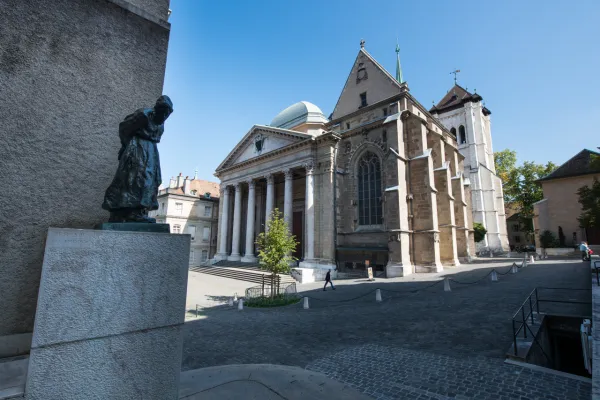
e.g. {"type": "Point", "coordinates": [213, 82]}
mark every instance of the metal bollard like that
{"type": "Point", "coordinates": [531, 260]}
{"type": "Point", "coordinates": [235, 299]}
{"type": "Point", "coordinates": [494, 276]}
{"type": "Point", "coordinates": [305, 305]}
{"type": "Point", "coordinates": [240, 304]}
{"type": "Point", "coordinates": [378, 295]}
{"type": "Point", "coordinates": [230, 302]}
{"type": "Point", "coordinates": [514, 269]}
{"type": "Point", "coordinates": [447, 287]}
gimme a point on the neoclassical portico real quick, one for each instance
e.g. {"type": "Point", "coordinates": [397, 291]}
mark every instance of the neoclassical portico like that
{"type": "Point", "coordinates": [243, 191]}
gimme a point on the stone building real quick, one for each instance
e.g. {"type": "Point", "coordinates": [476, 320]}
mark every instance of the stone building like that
{"type": "Point", "coordinates": [70, 71]}
{"type": "Point", "coordinates": [468, 119]}
{"type": "Point", "coordinates": [560, 207]}
{"type": "Point", "coordinates": [380, 180]}
{"type": "Point", "coordinates": [517, 234]}
{"type": "Point", "coordinates": [191, 205]}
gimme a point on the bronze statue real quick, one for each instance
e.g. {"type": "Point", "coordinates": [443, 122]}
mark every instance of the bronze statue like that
{"type": "Point", "coordinates": [134, 188]}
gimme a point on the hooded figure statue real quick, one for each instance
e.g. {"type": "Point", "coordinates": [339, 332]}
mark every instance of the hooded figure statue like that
{"type": "Point", "coordinates": [134, 188]}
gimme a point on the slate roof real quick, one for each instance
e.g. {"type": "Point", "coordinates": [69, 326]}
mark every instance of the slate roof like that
{"type": "Point", "coordinates": [455, 98]}
{"type": "Point", "coordinates": [577, 165]}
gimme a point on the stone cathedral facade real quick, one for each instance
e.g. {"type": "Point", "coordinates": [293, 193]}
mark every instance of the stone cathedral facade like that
{"type": "Point", "coordinates": [381, 180]}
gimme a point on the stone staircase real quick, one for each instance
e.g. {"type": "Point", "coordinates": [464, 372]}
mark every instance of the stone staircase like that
{"type": "Point", "coordinates": [241, 271]}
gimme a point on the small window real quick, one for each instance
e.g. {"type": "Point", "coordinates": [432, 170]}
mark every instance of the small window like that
{"type": "Point", "coordinates": [176, 228]}
{"type": "Point", "coordinates": [517, 239]}
{"type": "Point", "coordinates": [453, 131]}
{"type": "Point", "coordinates": [179, 208]}
{"type": "Point", "coordinates": [205, 234]}
{"type": "Point", "coordinates": [192, 256]}
{"type": "Point", "coordinates": [192, 231]}
{"type": "Point", "coordinates": [385, 111]}
{"type": "Point", "coordinates": [207, 211]}
{"type": "Point", "coordinates": [384, 136]}
{"type": "Point", "coordinates": [193, 192]}
{"type": "Point", "coordinates": [363, 99]}
{"type": "Point", "coordinates": [162, 207]}
{"type": "Point", "coordinates": [462, 135]}
{"type": "Point", "coordinates": [347, 125]}
{"type": "Point", "coordinates": [516, 227]}
{"type": "Point", "coordinates": [204, 255]}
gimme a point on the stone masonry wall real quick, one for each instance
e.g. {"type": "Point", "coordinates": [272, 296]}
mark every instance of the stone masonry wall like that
{"type": "Point", "coordinates": [70, 71]}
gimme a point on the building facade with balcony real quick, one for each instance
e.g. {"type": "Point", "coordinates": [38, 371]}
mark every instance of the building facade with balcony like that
{"type": "Point", "coordinates": [191, 206]}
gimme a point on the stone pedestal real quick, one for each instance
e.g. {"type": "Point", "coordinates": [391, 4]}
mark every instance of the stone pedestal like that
{"type": "Point", "coordinates": [109, 316]}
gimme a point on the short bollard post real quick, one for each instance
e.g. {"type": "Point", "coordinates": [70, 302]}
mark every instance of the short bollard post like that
{"type": "Point", "coordinates": [514, 269]}
{"type": "Point", "coordinates": [447, 285]}
{"type": "Point", "coordinates": [235, 299]}
{"type": "Point", "coordinates": [491, 254]}
{"type": "Point", "coordinates": [378, 295]}
{"type": "Point", "coordinates": [305, 305]}
{"type": "Point", "coordinates": [241, 304]}
{"type": "Point", "coordinates": [508, 254]}
{"type": "Point", "coordinates": [531, 259]}
{"type": "Point", "coordinates": [494, 276]}
{"type": "Point", "coordinates": [230, 302]}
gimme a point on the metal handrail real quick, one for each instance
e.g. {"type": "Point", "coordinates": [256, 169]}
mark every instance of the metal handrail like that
{"type": "Point", "coordinates": [524, 318]}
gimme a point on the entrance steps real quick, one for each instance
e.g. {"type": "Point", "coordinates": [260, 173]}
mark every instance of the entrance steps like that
{"type": "Point", "coordinates": [241, 271]}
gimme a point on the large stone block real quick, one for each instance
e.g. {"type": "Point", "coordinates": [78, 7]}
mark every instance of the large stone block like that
{"type": "Point", "coordinates": [110, 309]}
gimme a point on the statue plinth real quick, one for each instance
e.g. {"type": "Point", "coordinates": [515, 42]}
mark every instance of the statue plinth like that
{"type": "Point", "coordinates": [133, 227]}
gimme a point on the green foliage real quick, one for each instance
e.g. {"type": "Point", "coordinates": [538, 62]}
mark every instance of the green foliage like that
{"type": "Point", "coordinates": [519, 184]}
{"type": "Point", "coordinates": [275, 301]}
{"type": "Point", "coordinates": [595, 162]}
{"type": "Point", "coordinates": [589, 198]}
{"type": "Point", "coordinates": [548, 240]}
{"type": "Point", "coordinates": [276, 245]}
{"type": "Point", "coordinates": [480, 231]}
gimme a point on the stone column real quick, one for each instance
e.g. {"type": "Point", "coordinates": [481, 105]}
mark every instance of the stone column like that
{"type": "Point", "coordinates": [249, 256]}
{"type": "Point", "coordinates": [288, 198]}
{"type": "Point", "coordinates": [309, 254]}
{"type": "Point", "coordinates": [270, 198]}
{"type": "Point", "coordinates": [237, 221]}
{"type": "Point", "coordinates": [224, 224]}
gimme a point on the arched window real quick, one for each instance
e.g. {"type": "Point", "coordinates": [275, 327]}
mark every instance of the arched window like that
{"type": "Point", "coordinates": [453, 131]}
{"type": "Point", "coordinates": [369, 190]}
{"type": "Point", "coordinates": [462, 136]}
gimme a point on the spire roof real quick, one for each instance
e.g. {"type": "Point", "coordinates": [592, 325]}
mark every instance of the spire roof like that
{"type": "Point", "coordinates": [398, 67]}
{"type": "Point", "coordinates": [455, 98]}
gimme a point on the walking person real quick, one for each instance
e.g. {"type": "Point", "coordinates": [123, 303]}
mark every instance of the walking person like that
{"type": "Point", "coordinates": [585, 251]}
{"type": "Point", "coordinates": [328, 280]}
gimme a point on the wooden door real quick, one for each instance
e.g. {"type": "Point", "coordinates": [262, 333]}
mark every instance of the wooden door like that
{"type": "Point", "coordinates": [298, 231]}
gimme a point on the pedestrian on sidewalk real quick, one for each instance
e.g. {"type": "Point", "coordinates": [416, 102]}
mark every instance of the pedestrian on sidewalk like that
{"type": "Point", "coordinates": [585, 251]}
{"type": "Point", "coordinates": [328, 279]}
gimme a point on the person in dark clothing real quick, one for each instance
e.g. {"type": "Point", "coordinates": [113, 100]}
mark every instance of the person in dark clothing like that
{"type": "Point", "coordinates": [328, 280]}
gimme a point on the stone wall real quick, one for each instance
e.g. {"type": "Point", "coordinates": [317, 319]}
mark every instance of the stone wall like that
{"type": "Point", "coordinates": [70, 71]}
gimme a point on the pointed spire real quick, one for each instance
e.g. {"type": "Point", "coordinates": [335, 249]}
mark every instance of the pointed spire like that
{"type": "Point", "coordinates": [398, 67]}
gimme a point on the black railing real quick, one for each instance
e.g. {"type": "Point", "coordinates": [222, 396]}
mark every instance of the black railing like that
{"type": "Point", "coordinates": [596, 269]}
{"type": "Point", "coordinates": [527, 319]}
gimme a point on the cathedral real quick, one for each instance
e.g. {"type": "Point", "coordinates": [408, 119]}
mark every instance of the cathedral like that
{"type": "Point", "coordinates": [381, 182]}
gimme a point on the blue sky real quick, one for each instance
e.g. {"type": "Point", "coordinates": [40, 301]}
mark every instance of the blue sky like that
{"type": "Point", "coordinates": [235, 64]}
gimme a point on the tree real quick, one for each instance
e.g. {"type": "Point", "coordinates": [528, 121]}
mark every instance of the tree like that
{"type": "Point", "coordinates": [506, 162]}
{"type": "Point", "coordinates": [589, 198]}
{"type": "Point", "coordinates": [275, 247]}
{"type": "Point", "coordinates": [548, 240]}
{"type": "Point", "coordinates": [480, 231]}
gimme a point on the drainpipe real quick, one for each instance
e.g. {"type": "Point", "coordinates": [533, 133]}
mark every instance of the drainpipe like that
{"type": "Point", "coordinates": [335, 245]}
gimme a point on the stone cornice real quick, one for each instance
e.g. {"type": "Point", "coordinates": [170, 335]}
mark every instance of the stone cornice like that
{"type": "Point", "coordinates": [141, 13]}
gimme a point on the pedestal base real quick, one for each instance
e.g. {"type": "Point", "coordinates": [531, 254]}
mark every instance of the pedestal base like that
{"type": "Point", "coordinates": [249, 259]}
{"type": "Point", "coordinates": [393, 270]}
{"type": "Point", "coordinates": [133, 227]}
{"type": "Point", "coordinates": [109, 316]}
{"type": "Point", "coordinates": [234, 257]}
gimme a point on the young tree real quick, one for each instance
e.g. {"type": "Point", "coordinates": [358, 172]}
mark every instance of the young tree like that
{"type": "Point", "coordinates": [528, 191]}
{"type": "Point", "coordinates": [589, 198]}
{"type": "Point", "coordinates": [275, 247]}
{"type": "Point", "coordinates": [506, 169]}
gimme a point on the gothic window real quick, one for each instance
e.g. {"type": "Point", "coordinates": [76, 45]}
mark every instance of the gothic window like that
{"type": "Point", "coordinates": [462, 136]}
{"type": "Point", "coordinates": [453, 131]}
{"type": "Point", "coordinates": [369, 190]}
{"type": "Point", "coordinates": [363, 99]}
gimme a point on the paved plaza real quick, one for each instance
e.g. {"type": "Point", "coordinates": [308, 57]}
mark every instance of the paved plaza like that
{"type": "Point", "coordinates": [426, 344]}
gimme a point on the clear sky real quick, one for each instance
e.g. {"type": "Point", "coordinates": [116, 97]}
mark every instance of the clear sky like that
{"type": "Point", "coordinates": [233, 64]}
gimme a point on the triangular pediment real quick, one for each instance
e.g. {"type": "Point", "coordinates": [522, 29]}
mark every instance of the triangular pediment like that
{"type": "Point", "coordinates": [259, 141]}
{"type": "Point", "coordinates": [367, 76]}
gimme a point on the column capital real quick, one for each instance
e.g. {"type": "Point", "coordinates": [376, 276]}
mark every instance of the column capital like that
{"type": "Point", "coordinates": [309, 166]}
{"type": "Point", "coordinates": [270, 178]}
{"type": "Point", "coordinates": [224, 189]}
{"type": "Point", "coordinates": [251, 183]}
{"type": "Point", "coordinates": [237, 186]}
{"type": "Point", "coordinates": [289, 174]}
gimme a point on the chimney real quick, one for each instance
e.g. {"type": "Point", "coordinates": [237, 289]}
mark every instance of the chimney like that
{"type": "Point", "coordinates": [186, 185]}
{"type": "Point", "coordinates": [172, 183]}
{"type": "Point", "coordinates": [180, 180]}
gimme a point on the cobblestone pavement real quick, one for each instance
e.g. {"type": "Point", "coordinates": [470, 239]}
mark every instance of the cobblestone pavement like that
{"type": "Point", "coordinates": [436, 336]}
